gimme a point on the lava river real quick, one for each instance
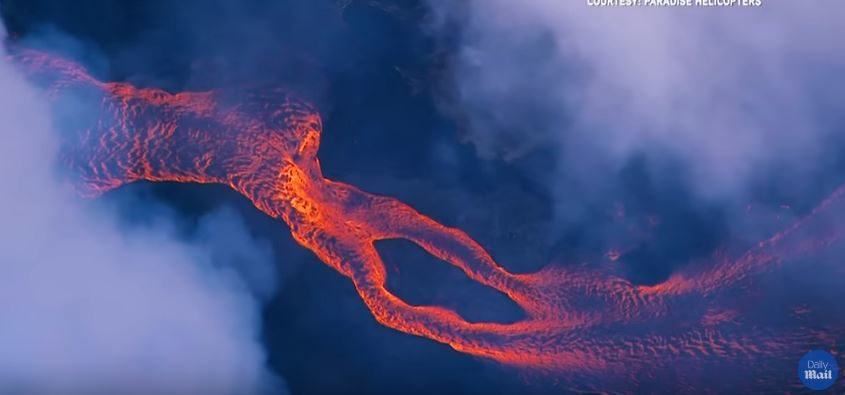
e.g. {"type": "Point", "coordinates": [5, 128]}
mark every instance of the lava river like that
{"type": "Point", "coordinates": [589, 326]}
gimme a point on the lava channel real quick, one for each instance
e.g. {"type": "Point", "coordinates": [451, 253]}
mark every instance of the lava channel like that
{"type": "Point", "coordinates": [589, 325]}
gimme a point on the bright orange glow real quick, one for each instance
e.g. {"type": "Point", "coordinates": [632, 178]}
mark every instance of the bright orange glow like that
{"type": "Point", "coordinates": [263, 144]}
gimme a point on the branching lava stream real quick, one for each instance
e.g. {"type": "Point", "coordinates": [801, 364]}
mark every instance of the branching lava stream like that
{"type": "Point", "coordinates": [585, 323]}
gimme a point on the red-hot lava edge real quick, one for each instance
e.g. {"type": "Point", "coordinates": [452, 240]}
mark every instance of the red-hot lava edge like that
{"type": "Point", "coordinates": [263, 143]}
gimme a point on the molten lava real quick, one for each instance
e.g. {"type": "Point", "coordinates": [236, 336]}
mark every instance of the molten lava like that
{"type": "Point", "coordinates": [263, 143]}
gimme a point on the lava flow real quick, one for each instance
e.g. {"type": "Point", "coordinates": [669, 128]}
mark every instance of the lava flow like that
{"type": "Point", "coordinates": [583, 322]}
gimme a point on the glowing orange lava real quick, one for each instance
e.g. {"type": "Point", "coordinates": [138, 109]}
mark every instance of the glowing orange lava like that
{"type": "Point", "coordinates": [263, 143]}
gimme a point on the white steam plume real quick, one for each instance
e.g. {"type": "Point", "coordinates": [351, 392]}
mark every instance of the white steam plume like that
{"type": "Point", "coordinates": [729, 92]}
{"type": "Point", "coordinates": [91, 306]}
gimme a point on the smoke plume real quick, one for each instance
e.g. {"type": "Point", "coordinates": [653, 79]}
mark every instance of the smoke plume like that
{"type": "Point", "coordinates": [91, 304]}
{"type": "Point", "coordinates": [722, 96]}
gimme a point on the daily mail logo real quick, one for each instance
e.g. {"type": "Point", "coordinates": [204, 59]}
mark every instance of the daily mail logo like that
{"type": "Point", "coordinates": [818, 370]}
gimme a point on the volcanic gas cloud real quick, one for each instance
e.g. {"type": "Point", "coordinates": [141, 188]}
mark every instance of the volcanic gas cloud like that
{"type": "Point", "coordinates": [580, 323]}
